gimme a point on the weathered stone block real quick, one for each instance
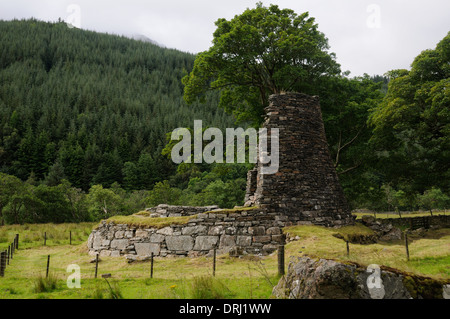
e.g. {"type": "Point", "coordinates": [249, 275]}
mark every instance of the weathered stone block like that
{"type": "Point", "coordinates": [230, 231]}
{"type": "Point", "coordinates": [110, 235]}
{"type": "Point", "coordinates": [227, 241]}
{"type": "Point", "coordinates": [157, 238]}
{"type": "Point", "coordinates": [106, 242]}
{"type": "Point", "coordinates": [119, 234]}
{"type": "Point", "coordinates": [146, 249]}
{"type": "Point", "coordinates": [97, 241]}
{"type": "Point", "coordinates": [244, 240]}
{"type": "Point", "coordinates": [194, 230]}
{"type": "Point", "coordinates": [273, 231]}
{"type": "Point", "coordinates": [129, 233]}
{"type": "Point", "coordinates": [280, 239]}
{"type": "Point", "coordinates": [141, 233]}
{"type": "Point", "coordinates": [206, 242]}
{"type": "Point", "coordinates": [119, 244]}
{"type": "Point", "coordinates": [90, 241]}
{"type": "Point", "coordinates": [256, 230]}
{"type": "Point", "coordinates": [185, 243]}
{"type": "Point", "coordinates": [215, 231]}
{"type": "Point", "coordinates": [105, 253]}
{"type": "Point", "coordinates": [168, 231]}
{"type": "Point", "coordinates": [262, 239]}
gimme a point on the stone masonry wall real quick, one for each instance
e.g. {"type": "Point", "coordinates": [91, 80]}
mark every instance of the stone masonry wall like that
{"type": "Point", "coordinates": [412, 223]}
{"type": "Point", "coordinates": [229, 231]}
{"type": "Point", "coordinates": [306, 188]}
{"type": "Point", "coordinates": [164, 210]}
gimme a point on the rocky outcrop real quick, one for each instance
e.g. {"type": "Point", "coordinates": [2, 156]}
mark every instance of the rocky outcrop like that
{"type": "Point", "coordinates": [237, 231]}
{"type": "Point", "coordinates": [309, 278]}
{"type": "Point", "coordinates": [384, 231]}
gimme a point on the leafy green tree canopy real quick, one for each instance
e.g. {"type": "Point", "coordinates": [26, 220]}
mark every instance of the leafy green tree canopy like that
{"type": "Point", "coordinates": [412, 125]}
{"type": "Point", "coordinates": [263, 51]}
{"type": "Point", "coordinates": [434, 199]}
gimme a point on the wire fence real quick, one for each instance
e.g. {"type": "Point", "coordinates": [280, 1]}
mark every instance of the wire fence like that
{"type": "Point", "coordinates": [8, 254]}
{"type": "Point", "coordinates": [37, 264]}
{"type": "Point", "coordinates": [44, 263]}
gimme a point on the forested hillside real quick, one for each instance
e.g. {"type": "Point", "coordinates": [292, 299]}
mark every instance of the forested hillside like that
{"type": "Point", "coordinates": [84, 120]}
{"type": "Point", "coordinates": [87, 105]}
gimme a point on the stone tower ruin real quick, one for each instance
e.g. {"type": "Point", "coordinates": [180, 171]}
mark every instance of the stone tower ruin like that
{"type": "Point", "coordinates": [306, 188]}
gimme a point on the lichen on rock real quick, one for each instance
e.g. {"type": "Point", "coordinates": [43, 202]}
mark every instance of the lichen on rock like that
{"type": "Point", "coordinates": [309, 278]}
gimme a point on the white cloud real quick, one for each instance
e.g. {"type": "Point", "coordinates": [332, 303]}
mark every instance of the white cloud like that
{"type": "Point", "coordinates": [406, 27]}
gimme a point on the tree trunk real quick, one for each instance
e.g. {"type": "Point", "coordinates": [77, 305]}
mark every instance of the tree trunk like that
{"type": "Point", "coordinates": [2, 221]}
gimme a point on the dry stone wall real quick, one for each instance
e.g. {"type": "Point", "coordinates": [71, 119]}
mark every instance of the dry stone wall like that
{"type": "Point", "coordinates": [306, 188]}
{"type": "Point", "coordinates": [164, 210]}
{"type": "Point", "coordinates": [437, 221]}
{"type": "Point", "coordinates": [237, 231]}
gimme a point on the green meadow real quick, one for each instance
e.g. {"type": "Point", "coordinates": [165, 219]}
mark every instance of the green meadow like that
{"type": "Point", "coordinates": [248, 277]}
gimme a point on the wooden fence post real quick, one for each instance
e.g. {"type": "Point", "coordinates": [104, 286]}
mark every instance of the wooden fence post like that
{"type": "Point", "coordinates": [48, 266]}
{"type": "Point", "coordinates": [17, 241]}
{"type": "Point", "coordinates": [70, 238]}
{"type": "Point", "coordinates": [8, 254]}
{"type": "Point", "coordinates": [151, 265]}
{"type": "Point", "coordinates": [214, 262]}
{"type": "Point", "coordinates": [406, 245]}
{"type": "Point", "coordinates": [45, 238]}
{"type": "Point", "coordinates": [96, 265]}
{"type": "Point", "coordinates": [348, 248]}
{"type": "Point", "coordinates": [2, 263]}
{"type": "Point", "coordinates": [281, 260]}
{"type": "Point", "coordinates": [12, 250]}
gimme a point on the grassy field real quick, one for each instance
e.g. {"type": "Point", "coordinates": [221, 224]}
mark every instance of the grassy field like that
{"type": "Point", "coordinates": [429, 255]}
{"type": "Point", "coordinates": [173, 277]}
{"type": "Point", "coordinates": [238, 278]}
{"type": "Point", "coordinates": [32, 235]}
{"type": "Point", "coordinates": [247, 277]}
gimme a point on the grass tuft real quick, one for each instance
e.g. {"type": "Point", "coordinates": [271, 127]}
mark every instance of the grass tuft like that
{"type": "Point", "coordinates": [207, 287]}
{"type": "Point", "coordinates": [43, 284]}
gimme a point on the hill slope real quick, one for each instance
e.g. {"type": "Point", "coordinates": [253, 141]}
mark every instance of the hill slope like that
{"type": "Point", "coordinates": [83, 104]}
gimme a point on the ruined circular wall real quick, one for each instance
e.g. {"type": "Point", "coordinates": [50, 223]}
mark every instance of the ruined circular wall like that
{"type": "Point", "coordinates": [236, 231]}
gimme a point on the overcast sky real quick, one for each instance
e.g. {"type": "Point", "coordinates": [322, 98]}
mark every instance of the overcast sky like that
{"type": "Point", "coordinates": [371, 37]}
